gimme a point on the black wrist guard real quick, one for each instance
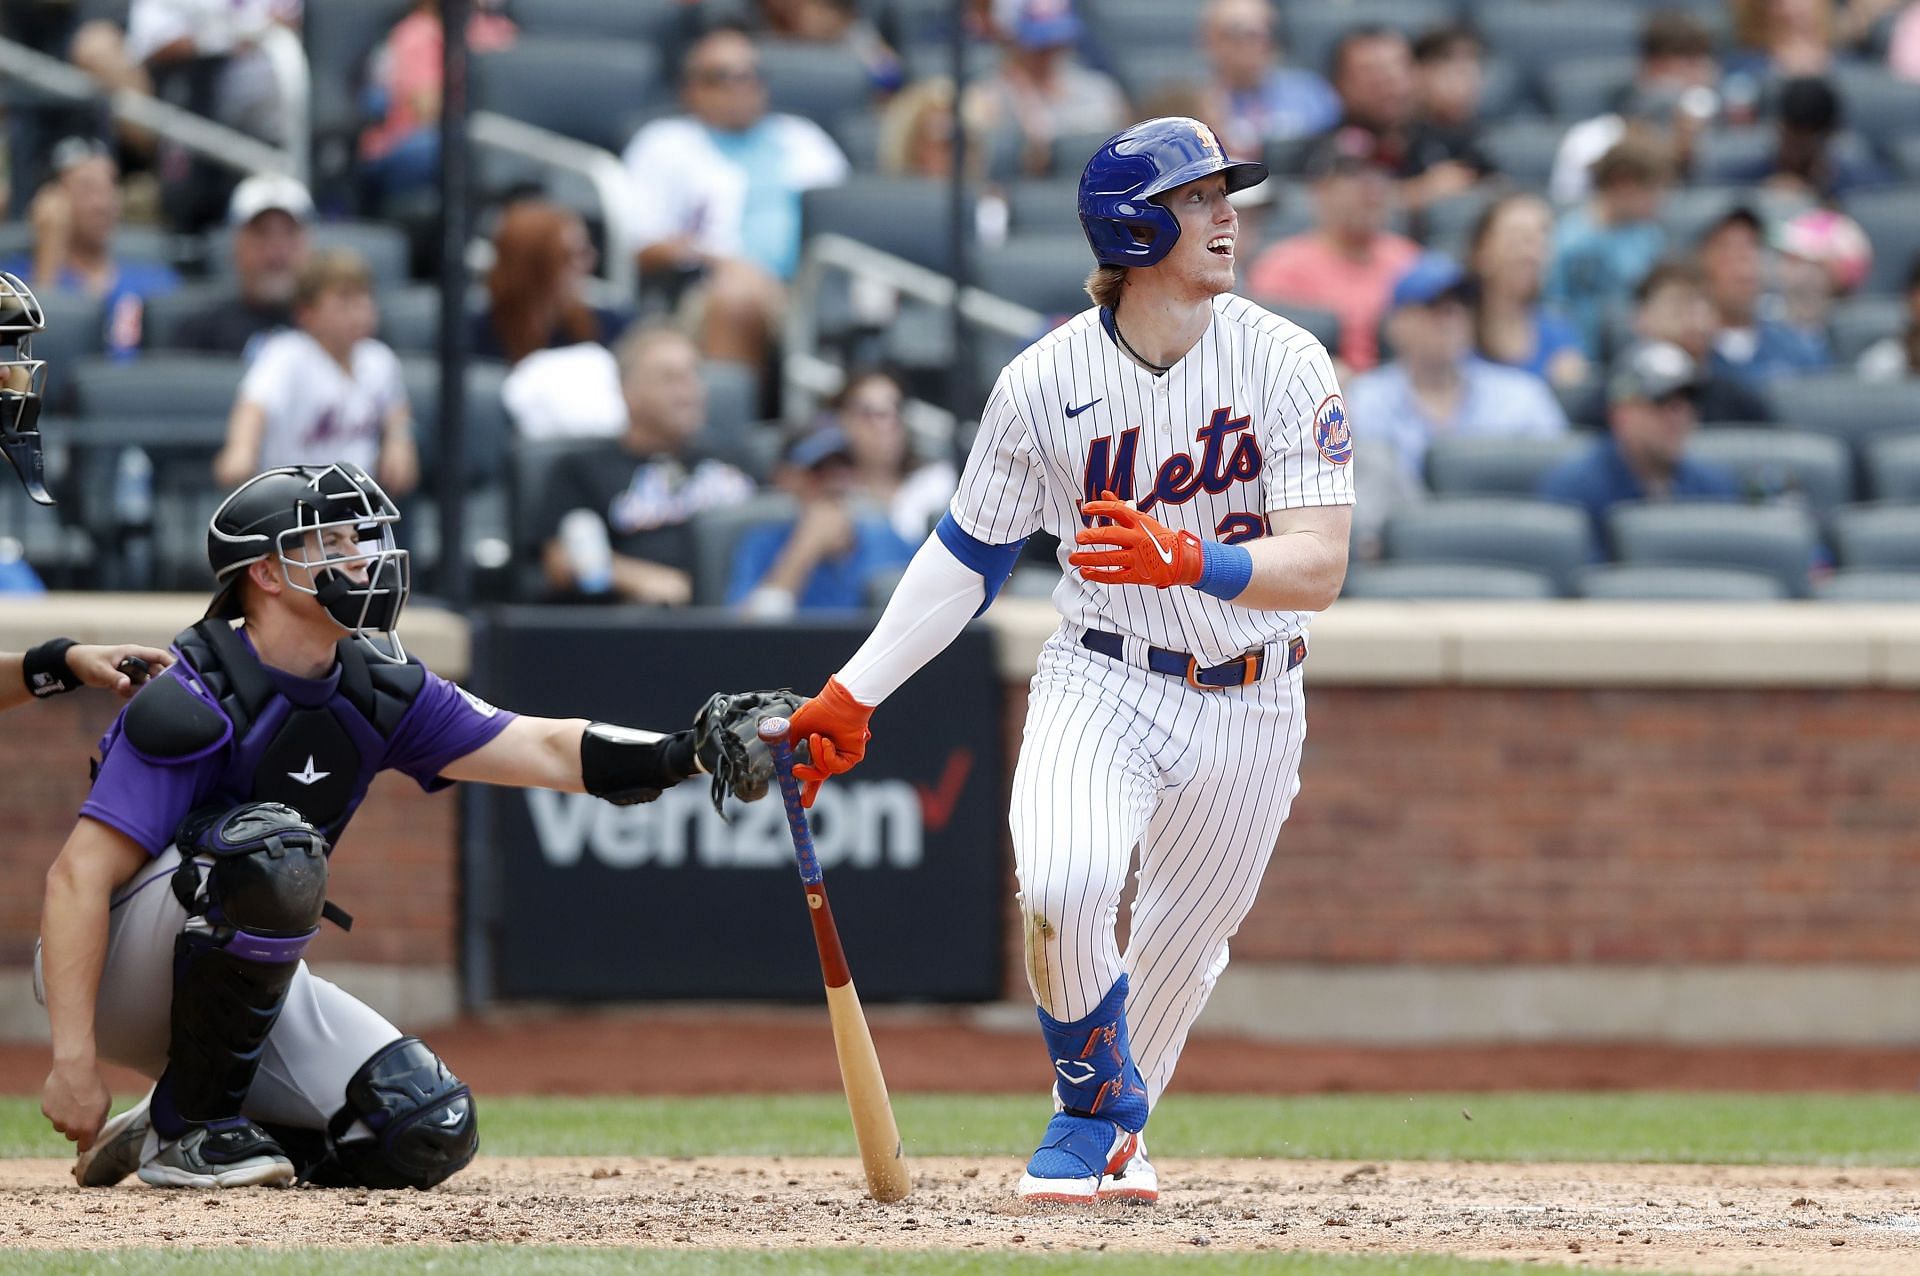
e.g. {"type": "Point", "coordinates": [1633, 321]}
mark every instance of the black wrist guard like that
{"type": "Point", "coordinates": [46, 671]}
{"type": "Point", "coordinates": [623, 767]}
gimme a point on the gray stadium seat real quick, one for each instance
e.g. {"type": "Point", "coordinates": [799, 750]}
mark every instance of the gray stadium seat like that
{"type": "Point", "coordinates": [1442, 581]}
{"type": "Point", "coordinates": [1450, 221]}
{"type": "Point", "coordinates": [717, 533]}
{"type": "Point", "coordinates": [1816, 467]}
{"type": "Point", "coordinates": [1537, 535]}
{"type": "Point", "coordinates": [1537, 35]}
{"type": "Point", "coordinates": [1045, 272]}
{"type": "Point", "coordinates": [160, 322]}
{"type": "Point", "coordinates": [1733, 154]}
{"type": "Point", "coordinates": [1870, 586]}
{"type": "Point", "coordinates": [1504, 88]}
{"type": "Point", "coordinates": [858, 136]}
{"type": "Point", "coordinates": [1858, 322]}
{"type": "Point", "coordinates": [1839, 404]}
{"type": "Point", "coordinates": [54, 548]}
{"type": "Point", "coordinates": [1523, 149]}
{"type": "Point", "coordinates": [1687, 211]}
{"type": "Point", "coordinates": [1309, 32]}
{"type": "Point", "coordinates": [338, 35]}
{"type": "Point", "coordinates": [1649, 583]}
{"type": "Point", "coordinates": [410, 318]}
{"type": "Point", "coordinates": [1046, 205]}
{"type": "Point", "coordinates": [488, 429]}
{"type": "Point", "coordinates": [130, 243]}
{"type": "Point", "coordinates": [1778, 539]}
{"type": "Point", "coordinates": [1124, 25]}
{"type": "Point", "coordinates": [1887, 215]}
{"type": "Point", "coordinates": [74, 331]}
{"type": "Point", "coordinates": [1877, 103]}
{"type": "Point", "coordinates": [1498, 467]}
{"type": "Point", "coordinates": [1585, 86]}
{"type": "Point", "coordinates": [160, 387]}
{"type": "Point", "coordinates": [383, 246]}
{"type": "Point", "coordinates": [1147, 69]}
{"type": "Point", "coordinates": [733, 393]}
{"type": "Point", "coordinates": [1324, 324]}
{"type": "Point", "coordinates": [909, 217]}
{"type": "Point", "coordinates": [1071, 151]}
{"type": "Point", "coordinates": [1893, 467]}
{"type": "Point", "coordinates": [644, 21]}
{"type": "Point", "coordinates": [589, 89]}
{"type": "Point", "coordinates": [530, 465]}
{"type": "Point", "coordinates": [1878, 536]}
{"type": "Point", "coordinates": [819, 81]}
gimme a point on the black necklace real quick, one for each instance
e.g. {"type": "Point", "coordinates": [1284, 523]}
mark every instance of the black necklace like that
{"type": "Point", "coordinates": [1158, 370]}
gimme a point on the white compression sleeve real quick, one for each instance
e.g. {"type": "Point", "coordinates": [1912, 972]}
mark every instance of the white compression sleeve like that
{"type": "Point", "coordinates": [937, 596]}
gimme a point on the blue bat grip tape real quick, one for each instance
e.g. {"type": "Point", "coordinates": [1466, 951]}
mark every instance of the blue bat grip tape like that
{"type": "Point", "coordinates": [782, 750]}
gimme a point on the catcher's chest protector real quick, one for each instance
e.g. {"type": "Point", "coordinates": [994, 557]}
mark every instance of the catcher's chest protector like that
{"type": "Point", "coordinates": [314, 745]}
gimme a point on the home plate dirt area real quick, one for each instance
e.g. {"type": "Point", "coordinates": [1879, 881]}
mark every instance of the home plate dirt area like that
{"type": "Point", "coordinates": [1619, 1217]}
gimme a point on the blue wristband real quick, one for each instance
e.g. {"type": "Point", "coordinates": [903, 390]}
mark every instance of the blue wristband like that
{"type": "Point", "coordinates": [1225, 570]}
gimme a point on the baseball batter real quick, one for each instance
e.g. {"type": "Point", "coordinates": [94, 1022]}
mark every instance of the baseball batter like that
{"type": "Point", "coordinates": [1190, 451]}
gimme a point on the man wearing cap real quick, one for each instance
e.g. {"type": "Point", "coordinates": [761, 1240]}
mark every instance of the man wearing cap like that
{"type": "Point", "coordinates": [269, 216]}
{"type": "Point", "coordinates": [1807, 156]}
{"type": "Point", "coordinates": [1751, 341]}
{"type": "Point", "coordinates": [1437, 387]}
{"type": "Point", "coordinates": [831, 552]}
{"type": "Point", "coordinates": [1652, 410]}
{"type": "Point", "coordinates": [1348, 262]}
{"type": "Point", "coordinates": [1041, 88]}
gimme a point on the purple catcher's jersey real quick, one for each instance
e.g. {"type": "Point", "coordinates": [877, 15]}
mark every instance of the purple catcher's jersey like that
{"type": "Point", "coordinates": [146, 797]}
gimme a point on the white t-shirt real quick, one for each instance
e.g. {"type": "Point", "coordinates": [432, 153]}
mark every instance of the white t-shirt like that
{"type": "Point", "coordinates": [316, 413]}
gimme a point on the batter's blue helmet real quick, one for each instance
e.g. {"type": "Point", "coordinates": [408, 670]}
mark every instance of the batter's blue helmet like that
{"type": "Point", "coordinates": [1134, 165]}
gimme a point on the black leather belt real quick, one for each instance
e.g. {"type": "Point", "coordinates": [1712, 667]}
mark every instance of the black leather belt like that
{"type": "Point", "coordinates": [1241, 671]}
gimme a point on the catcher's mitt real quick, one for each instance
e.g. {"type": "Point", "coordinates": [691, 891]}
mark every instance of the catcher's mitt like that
{"type": "Point", "coordinates": [726, 736]}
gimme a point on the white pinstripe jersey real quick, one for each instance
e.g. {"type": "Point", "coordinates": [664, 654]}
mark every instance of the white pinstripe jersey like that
{"type": "Point", "coordinates": [1249, 421]}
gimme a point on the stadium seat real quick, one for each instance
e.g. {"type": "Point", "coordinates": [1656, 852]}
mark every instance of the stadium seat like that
{"type": "Point", "coordinates": [161, 387]}
{"type": "Point", "coordinates": [1887, 215]}
{"type": "Point", "coordinates": [488, 428]}
{"type": "Point", "coordinates": [1504, 89]}
{"type": "Point", "coordinates": [819, 81]}
{"type": "Point", "coordinates": [1450, 221]}
{"type": "Point", "coordinates": [1893, 468]}
{"type": "Point", "coordinates": [130, 243]}
{"type": "Point", "coordinates": [717, 533]}
{"type": "Point", "coordinates": [410, 318]}
{"type": "Point", "coordinates": [160, 321]}
{"type": "Point", "coordinates": [384, 247]}
{"type": "Point", "coordinates": [1441, 581]}
{"type": "Point", "coordinates": [1324, 324]}
{"type": "Point", "coordinates": [1071, 151]}
{"type": "Point", "coordinates": [936, 58]}
{"type": "Point", "coordinates": [530, 466]}
{"type": "Point", "coordinates": [1538, 535]}
{"type": "Point", "coordinates": [1816, 468]}
{"type": "Point", "coordinates": [1147, 69]}
{"type": "Point", "coordinates": [733, 396]}
{"type": "Point", "coordinates": [1880, 536]}
{"type": "Point", "coordinates": [1498, 467]}
{"type": "Point", "coordinates": [589, 89]}
{"type": "Point", "coordinates": [338, 36]}
{"type": "Point", "coordinates": [1778, 539]}
{"type": "Point", "coordinates": [909, 217]}
{"type": "Point", "coordinates": [1733, 154]}
{"type": "Point", "coordinates": [1869, 586]}
{"type": "Point", "coordinates": [858, 135]}
{"type": "Point", "coordinates": [1649, 583]}
{"type": "Point", "coordinates": [1045, 205]}
{"type": "Point", "coordinates": [74, 331]}
{"type": "Point", "coordinates": [1878, 104]}
{"type": "Point", "coordinates": [1839, 404]}
{"type": "Point", "coordinates": [1309, 32]}
{"type": "Point", "coordinates": [1538, 34]}
{"type": "Point", "coordinates": [1585, 86]}
{"type": "Point", "coordinates": [54, 547]}
{"type": "Point", "coordinates": [1045, 272]}
{"type": "Point", "coordinates": [1687, 211]}
{"type": "Point", "coordinates": [654, 22]}
{"type": "Point", "coordinates": [1122, 26]}
{"type": "Point", "coordinates": [1858, 322]}
{"type": "Point", "coordinates": [1524, 149]}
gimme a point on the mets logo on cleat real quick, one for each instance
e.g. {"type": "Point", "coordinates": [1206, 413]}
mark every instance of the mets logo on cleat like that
{"type": "Point", "coordinates": [1330, 432]}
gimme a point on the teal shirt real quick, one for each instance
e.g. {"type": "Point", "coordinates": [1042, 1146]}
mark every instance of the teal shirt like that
{"type": "Point", "coordinates": [770, 219]}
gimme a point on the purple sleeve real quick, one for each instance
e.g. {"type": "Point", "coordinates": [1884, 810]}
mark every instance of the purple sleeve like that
{"type": "Point", "coordinates": [146, 800]}
{"type": "Point", "coordinates": [445, 723]}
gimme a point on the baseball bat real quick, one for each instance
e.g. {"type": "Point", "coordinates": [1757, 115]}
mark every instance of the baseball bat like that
{"type": "Point", "coordinates": [873, 1125]}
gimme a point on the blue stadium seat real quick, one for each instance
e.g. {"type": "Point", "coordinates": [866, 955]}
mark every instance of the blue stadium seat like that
{"type": "Point", "coordinates": [1816, 468]}
{"type": "Point", "coordinates": [588, 89]}
{"type": "Point", "coordinates": [1439, 582]}
{"type": "Point", "coordinates": [1777, 539]}
{"type": "Point", "coordinates": [1537, 535]}
{"type": "Point", "coordinates": [1887, 215]}
{"type": "Point", "coordinates": [1838, 403]}
{"type": "Point", "coordinates": [1643, 582]}
{"type": "Point", "coordinates": [1498, 467]}
{"type": "Point", "coordinates": [1880, 536]}
{"type": "Point", "coordinates": [1893, 466]}
{"type": "Point", "coordinates": [1867, 585]}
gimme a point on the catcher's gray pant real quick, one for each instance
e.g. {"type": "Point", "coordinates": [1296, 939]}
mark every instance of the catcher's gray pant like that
{"type": "Point", "coordinates": [322, 1037]}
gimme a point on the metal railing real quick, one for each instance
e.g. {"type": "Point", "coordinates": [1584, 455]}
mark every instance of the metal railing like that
{"type": "Point", "coordinates": [599, 167]}
{"type": "Point", "coordinates": [810, 376]}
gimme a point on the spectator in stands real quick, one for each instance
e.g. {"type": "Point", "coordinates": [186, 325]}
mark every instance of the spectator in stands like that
{"type": "Point", "coordinates": [269, 217]}
{"type": "Point", "coordinates": [74, 219]}
{"type": "Point", "coordinates": [1895, 357]}
{"type": "Point", "coordinates": [831, 553]}
{"type": "Point", "coordinates": [401, 153]}
{"type": "Point", "coordinates": [1903, 44]}
{"type": "Point", "coordinates": [1041, 88]}
{"type": "Point", "coordinates": [1806, 160]}
{"type": "Point", "coordinates": [536, 290]}
{"type": "Point", "coordinates": [1775, 40]}
{"type": "Point", "coordinates": [1371, 68]}
{"type": "Point", "coordinates": [1265, 101]}
{"type": "Point", "coordinates": [917, 133]}
{"type": "Point", "coordinates": [1436, 387]}
{"type": "Point", "coordinates": [324, 390]}
{"type": "Point", "coordinates": [1507, 255]}
{"type": "Point", "coordinates": [1672, 98]}
{"type": "Point", "coordinates": [715, 196]}
{"type": "Point", "coordinates": [912, 492]}
{"type": "Point", "coordinates": [1751, 342]}
{"type": "Point", "coordinates": [1443, 148]}
{"type": "Point", "coordinates": [1671, 307]}
{"type": "Point", "coordinates": [1602, 250]}
{"type": "Point", "coordinates": [163, 34]}
{"type": "Point", "coordinates": [832, 22]}
{"type": "Point", "coordinates": [1348, 262]}
{"type": "Point", "coordinates": [1823, 255]}
{"type": "Point", "coordinates": [1652, 410]}
{"type": "Point", "coordinates": [615, 520]}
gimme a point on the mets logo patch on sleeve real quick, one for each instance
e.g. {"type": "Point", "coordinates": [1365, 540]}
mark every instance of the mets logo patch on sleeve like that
{"type": "Point", "coordinates": [1330, 432]}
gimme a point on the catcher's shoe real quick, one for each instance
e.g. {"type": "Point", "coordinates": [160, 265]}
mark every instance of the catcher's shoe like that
{"type": "Point", "coordinates": [1075, 1156]}
{"type": "Point", "coordinates": [230, 1153]}
{"type": "Point", "coordinates": [1135, 1180]}
{"type": "Point", "coordinates": [118, 1149]}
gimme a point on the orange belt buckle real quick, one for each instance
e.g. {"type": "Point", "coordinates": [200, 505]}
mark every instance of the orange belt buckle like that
{"type": "Point", "coordinates": [1250, 667]}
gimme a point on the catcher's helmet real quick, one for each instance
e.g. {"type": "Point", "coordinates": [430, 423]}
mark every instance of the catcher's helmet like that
{"type": "Point", "coordinates": [23, 379]}
{"type": "Point", "coordinates": [1117, 207]}
{"type": "Point", "coordinates": [271, 514]}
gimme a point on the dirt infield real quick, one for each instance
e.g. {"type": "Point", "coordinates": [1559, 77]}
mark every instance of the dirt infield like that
{"type": "Point", "coordinates": [1622, 1217]}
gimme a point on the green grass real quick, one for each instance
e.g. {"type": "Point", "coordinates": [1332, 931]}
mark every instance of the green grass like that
{"type": "Point", "coordinates": [1726, 1128]}
{"type": "Point", "coordinates": [530, 1260]}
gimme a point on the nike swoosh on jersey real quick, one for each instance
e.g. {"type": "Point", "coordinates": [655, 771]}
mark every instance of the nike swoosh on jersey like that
{"type": "Point", "coordinates": [1074, 412]}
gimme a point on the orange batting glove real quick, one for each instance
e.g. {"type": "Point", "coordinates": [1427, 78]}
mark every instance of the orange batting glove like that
{"type": "Point", "coordinates": [834, 726]}
{"type": "Point", "coordinates": [1135, 549]}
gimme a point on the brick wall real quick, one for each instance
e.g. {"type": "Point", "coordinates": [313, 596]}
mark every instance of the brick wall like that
{"type": "Point", "coordinates": [396, 871]}
{"type": "Point", "coordinates": [1471, 825]}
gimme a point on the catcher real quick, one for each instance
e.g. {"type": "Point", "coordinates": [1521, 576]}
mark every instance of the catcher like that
{"type": "Point", "coordinates": [177, 912]}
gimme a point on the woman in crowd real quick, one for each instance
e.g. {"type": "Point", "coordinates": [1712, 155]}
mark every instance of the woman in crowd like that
{"type": "Point", "coordinates": [911, 493]}
{"type": "Point", "coordinates": [1507, 257]}
{"type": "Point", "coordinates": [536, 291]}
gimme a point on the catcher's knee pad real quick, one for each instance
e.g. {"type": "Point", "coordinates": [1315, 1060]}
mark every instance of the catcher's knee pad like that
{"type": "Point", "coordinates": [1093, 1069]}
{"type": "Point", "coordinates": [424, 1128]}
{"type": "Point", "coordinates": [251, 914]}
